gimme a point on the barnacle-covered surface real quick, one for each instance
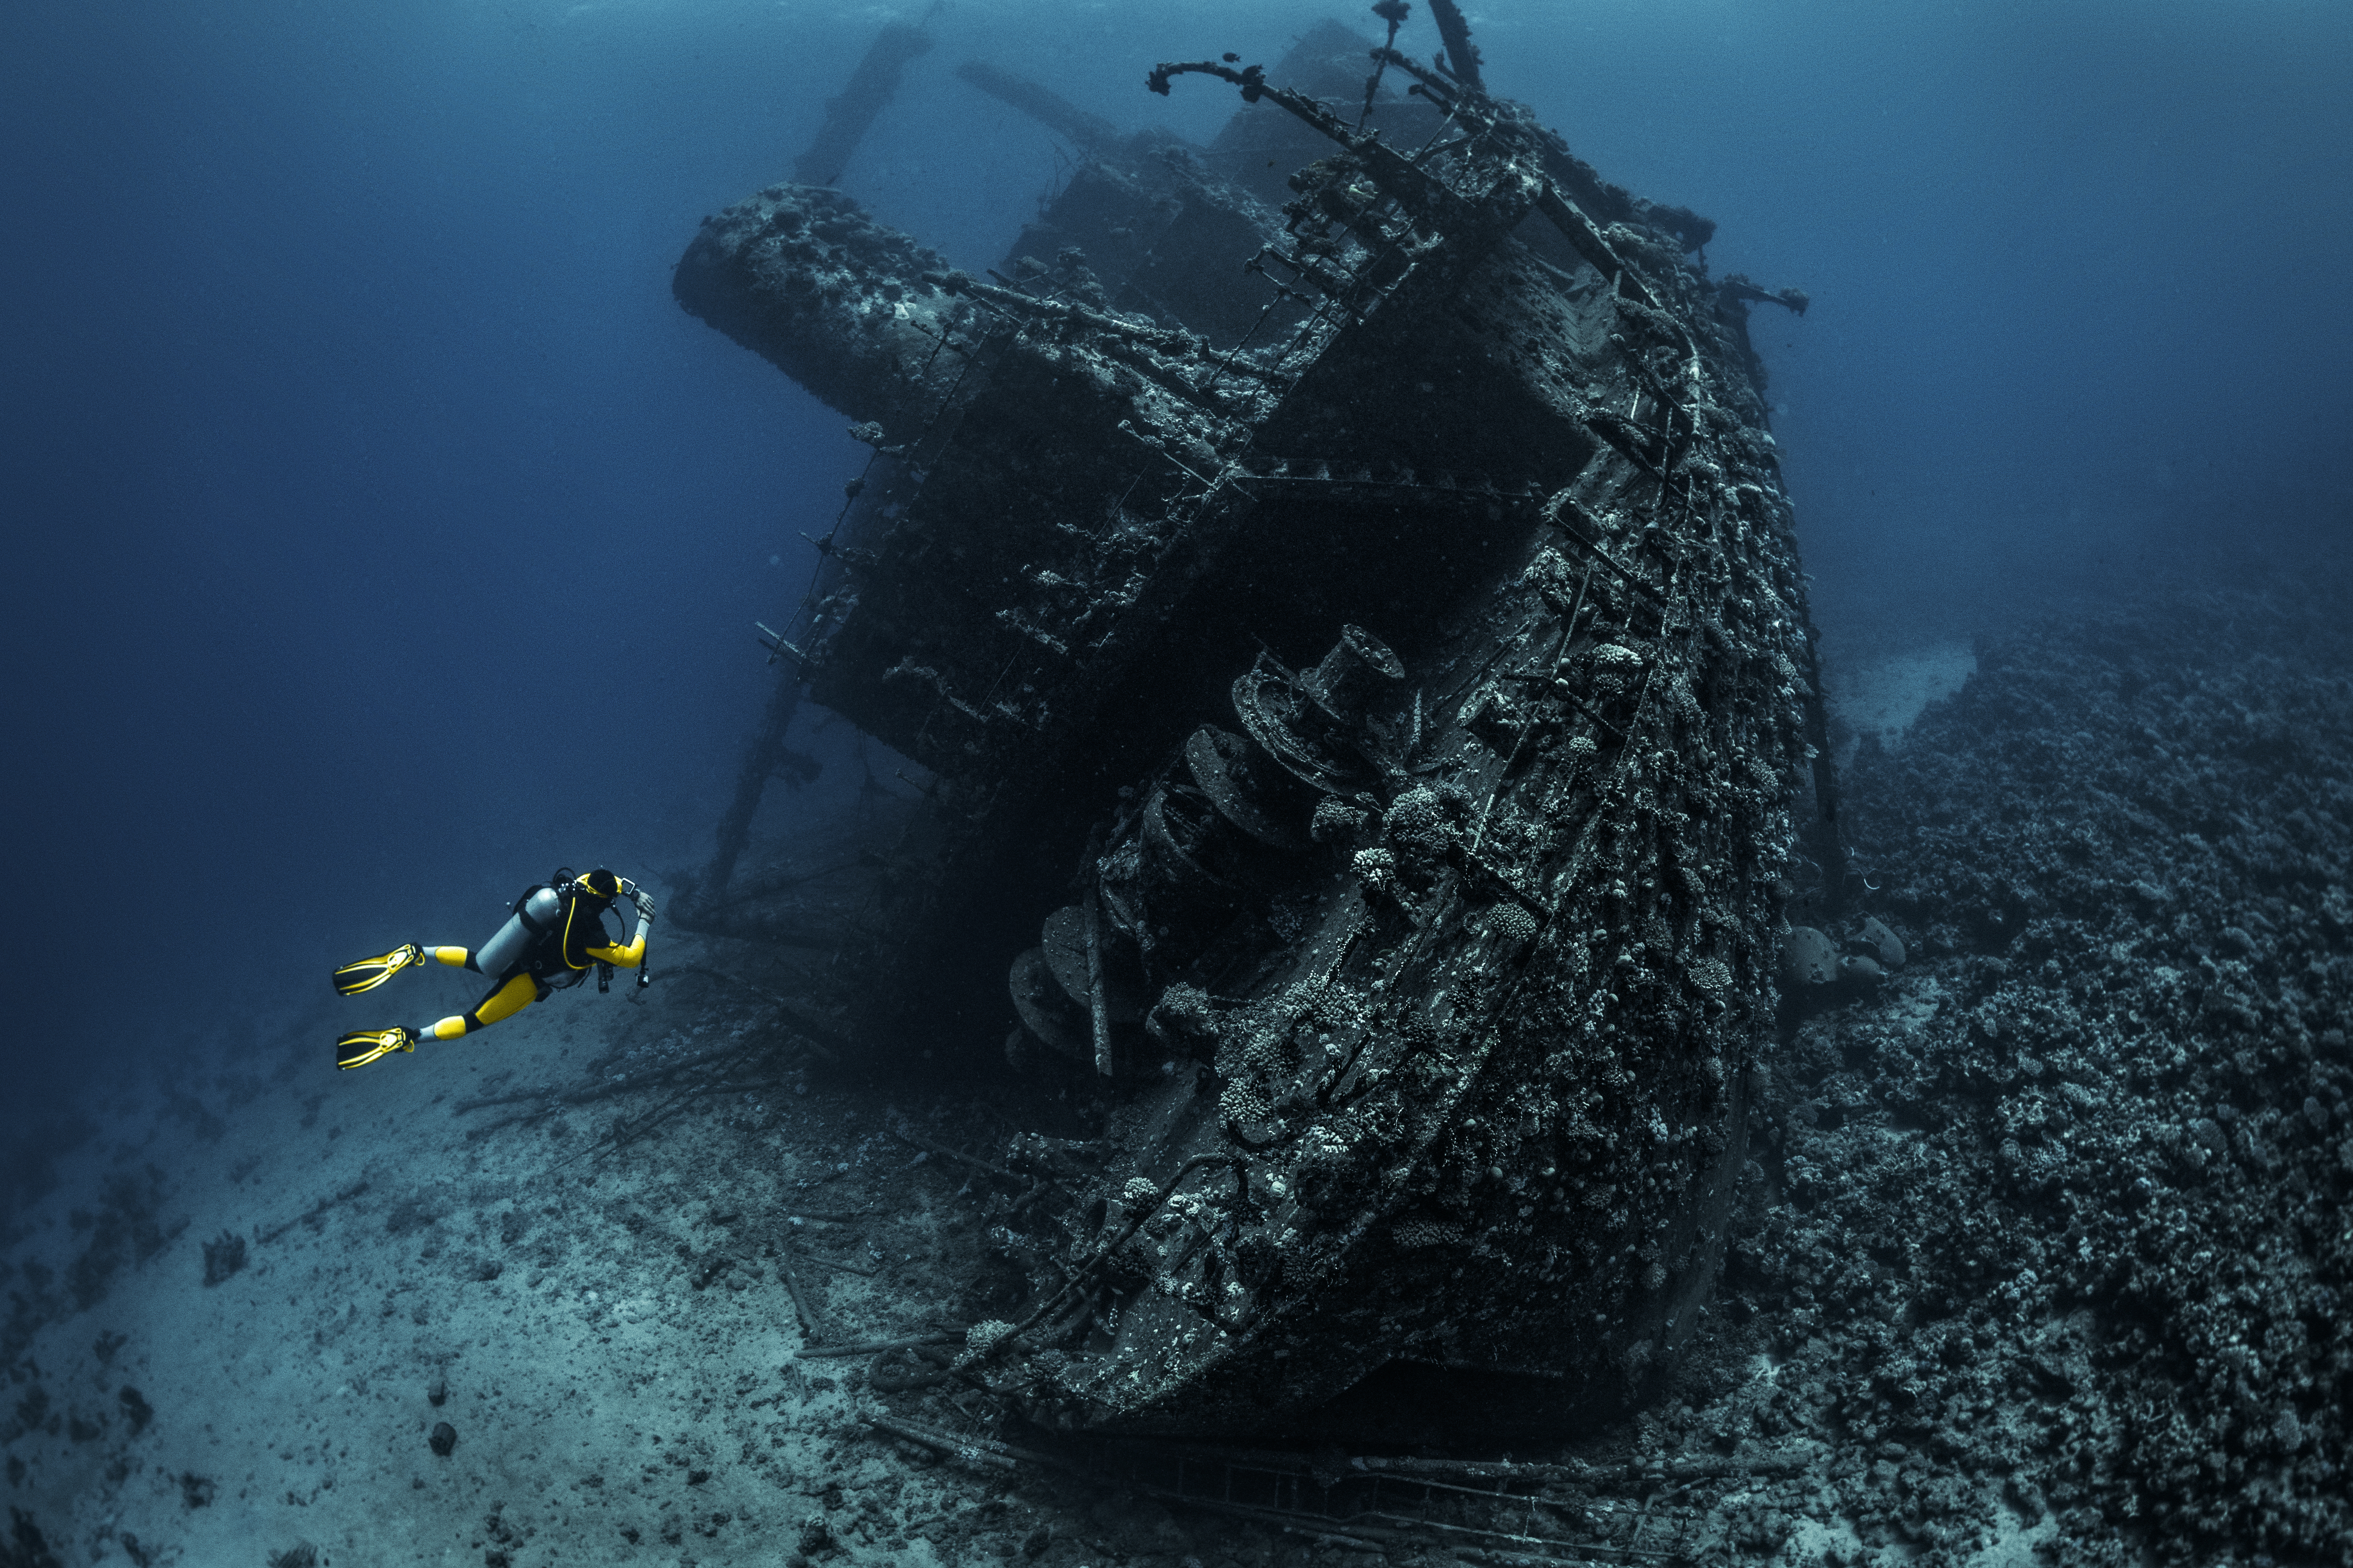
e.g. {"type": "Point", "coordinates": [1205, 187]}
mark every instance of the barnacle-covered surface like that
{"type": "Point", "coordinates": [1371, 740]}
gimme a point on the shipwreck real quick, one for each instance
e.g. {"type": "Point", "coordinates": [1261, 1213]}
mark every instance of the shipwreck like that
{"type": "Point", "coordinates": [1338, 582]}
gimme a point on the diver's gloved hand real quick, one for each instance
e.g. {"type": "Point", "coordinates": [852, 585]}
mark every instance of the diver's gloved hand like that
{"type": "Point", "coordinates": [646, 907]}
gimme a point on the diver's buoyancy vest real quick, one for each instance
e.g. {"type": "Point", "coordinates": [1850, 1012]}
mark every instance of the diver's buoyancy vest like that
{"type": "Point", "coordinates": [548, 936]}
{"type": "Point", "coordinates": [561, 958]}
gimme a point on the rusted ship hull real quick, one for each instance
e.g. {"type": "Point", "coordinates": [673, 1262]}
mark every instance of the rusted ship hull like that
{"type": "Point", "coordinates": [1371, 735]}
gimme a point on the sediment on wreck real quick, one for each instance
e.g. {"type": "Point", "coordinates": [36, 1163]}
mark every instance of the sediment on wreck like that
{"type": "Point", "coordinates": [1377, 740]}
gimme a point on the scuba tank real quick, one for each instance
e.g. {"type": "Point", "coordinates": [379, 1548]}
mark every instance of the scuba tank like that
{"type": "Point", "coordinates": [536, 913]}
{"type": "Point", "coordinates": [538, 938]}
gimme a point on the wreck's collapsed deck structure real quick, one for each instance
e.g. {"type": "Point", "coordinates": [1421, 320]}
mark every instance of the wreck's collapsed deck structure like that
{"type": "Point", "coordinates": [1361, 648]}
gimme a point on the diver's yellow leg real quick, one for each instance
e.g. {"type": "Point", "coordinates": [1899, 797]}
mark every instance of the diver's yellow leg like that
{"type": "Point", "coordinates": [454, 957]}
{"type": "Point", "coordinates": [504, 1002]}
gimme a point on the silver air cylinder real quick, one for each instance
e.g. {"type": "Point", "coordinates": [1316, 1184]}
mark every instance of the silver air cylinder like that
{"type": "Point", "coordinates": [538, 916]}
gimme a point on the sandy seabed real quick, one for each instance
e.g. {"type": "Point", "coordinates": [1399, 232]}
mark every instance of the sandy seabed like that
{"type": "Point", "coordinates": [2044, 1254]}
{"type": "Point", "coordinates": [604, 1330]}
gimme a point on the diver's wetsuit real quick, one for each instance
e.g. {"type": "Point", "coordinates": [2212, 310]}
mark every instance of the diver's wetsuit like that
{"type": "Point", "coordinates": [564, 961]}
{"type": "Point", "coordinates": [556, 936]}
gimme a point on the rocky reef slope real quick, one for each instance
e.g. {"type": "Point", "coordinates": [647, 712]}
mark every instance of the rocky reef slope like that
{"type": "Point", "coordinates": [2060, 1239]}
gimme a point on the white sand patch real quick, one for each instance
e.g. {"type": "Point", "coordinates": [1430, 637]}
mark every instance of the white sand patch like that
{"type": "Point", "coordinates": [1882, 697]}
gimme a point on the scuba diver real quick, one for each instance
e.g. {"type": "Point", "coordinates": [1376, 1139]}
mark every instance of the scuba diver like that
{"type": "Point", "coordinates": [550, 943]}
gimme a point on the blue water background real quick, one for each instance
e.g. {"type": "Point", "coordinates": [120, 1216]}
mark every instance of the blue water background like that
{"type": "Point", "coordinates": [378, 533]}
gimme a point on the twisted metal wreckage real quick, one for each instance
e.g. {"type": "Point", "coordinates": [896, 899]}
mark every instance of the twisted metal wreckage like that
{"type": "Point", "coordinates": [1426, 943]}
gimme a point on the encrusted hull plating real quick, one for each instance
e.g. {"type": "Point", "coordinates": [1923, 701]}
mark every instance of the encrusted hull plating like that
{"type": "Point", "coordinates": [1416, 682]}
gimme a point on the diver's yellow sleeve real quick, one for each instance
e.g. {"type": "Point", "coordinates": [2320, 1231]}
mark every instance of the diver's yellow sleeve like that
{"type": "Point", "coordinates": [628, 957]}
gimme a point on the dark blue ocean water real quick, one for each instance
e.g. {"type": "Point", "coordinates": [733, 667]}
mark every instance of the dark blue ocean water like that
{"type": "Point", "coordinates": [378, 533]}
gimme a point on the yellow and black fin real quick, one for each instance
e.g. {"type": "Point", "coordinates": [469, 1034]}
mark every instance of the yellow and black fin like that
{"type": "Point", "coordinates": [367, 974]}
{"type": "Point", "coordinates": [363, 1046]}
